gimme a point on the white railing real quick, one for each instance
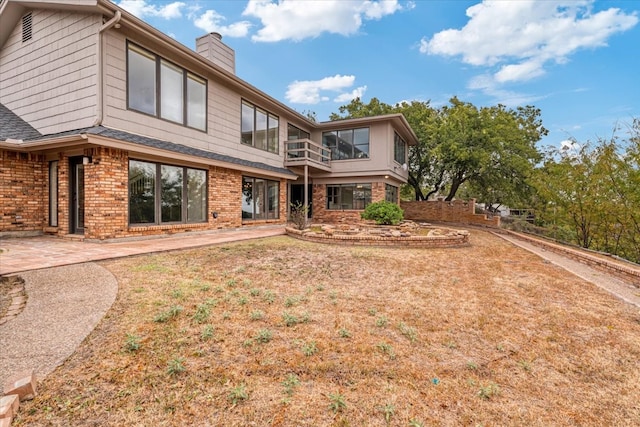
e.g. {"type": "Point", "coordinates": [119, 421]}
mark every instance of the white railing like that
{"type": "Point", "coordinates": [301, 151]}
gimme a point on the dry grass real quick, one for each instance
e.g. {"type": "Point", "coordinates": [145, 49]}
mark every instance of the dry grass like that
{"type": "Point", "coordinates": [280, 332]}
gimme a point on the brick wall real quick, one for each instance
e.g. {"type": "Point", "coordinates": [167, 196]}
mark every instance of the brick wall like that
{"type": "Point", "coordinates": [225, 197]}
{"type": "Point", "coordinates": [23, 192]}
{"type": "Point", "coordinates": [25, 204]}
{"type": "Point", "coordinates": [106, 205]}
{"type": "Point", "coordinates": [457, 211]}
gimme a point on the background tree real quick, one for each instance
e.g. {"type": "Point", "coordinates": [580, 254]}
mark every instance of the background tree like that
{"type": "Point", "coordinates": [591, 193]}
{"type": "Point", "coordinates": [491, 148]}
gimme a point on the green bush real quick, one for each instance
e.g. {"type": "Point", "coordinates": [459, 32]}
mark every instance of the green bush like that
{"type": "Point", "coordinates": [383, 213]}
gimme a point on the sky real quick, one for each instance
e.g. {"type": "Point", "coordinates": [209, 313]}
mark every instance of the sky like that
{"type": "Point", "coordinates": [578, 61]}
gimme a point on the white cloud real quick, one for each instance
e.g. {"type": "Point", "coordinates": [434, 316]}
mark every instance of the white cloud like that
{"type": "Point", "coordinates": [309, 91]}
{"type": "Point", "coordinates": [211, 21]}
{"type": "Point", "coordinates": [143, 9]}
{"type": "Point", "coordinates": [521, 37]}
{"type": "Point", "coordinates": [297, 20]}
{"type": "Point", "coordinates": [349, 96]}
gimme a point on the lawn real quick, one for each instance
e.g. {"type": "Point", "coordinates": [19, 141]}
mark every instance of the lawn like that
{"type": "Point", "coordinates": [280, 332]}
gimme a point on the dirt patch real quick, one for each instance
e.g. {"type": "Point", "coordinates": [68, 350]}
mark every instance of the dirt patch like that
{"type": "Point", "coordinates": [289, 333]}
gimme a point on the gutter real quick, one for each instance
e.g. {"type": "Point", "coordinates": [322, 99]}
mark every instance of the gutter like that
{"type": "Point", "coordinates": [22, 146]}
{"type": "Point", "coordinates": [113, 22]}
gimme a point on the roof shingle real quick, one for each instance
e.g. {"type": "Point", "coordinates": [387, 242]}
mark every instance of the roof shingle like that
{"type": "Point", "coordinates": [13, 127]}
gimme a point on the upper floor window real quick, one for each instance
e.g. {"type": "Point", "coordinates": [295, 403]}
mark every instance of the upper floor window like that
{"type": "Point", "coordinates": [259, 128]}
{"type": "Point", "coordinates": [347, 144]}
{"type": "Point", "coordinates": [399, 149]}
{"type": "Point", "coordinates": [296, 133]}
{"type": "Point", "coordinates": [157, 87]}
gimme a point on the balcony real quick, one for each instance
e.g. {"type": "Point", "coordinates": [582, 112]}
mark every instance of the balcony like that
{"type": "Point", "coordinates": [304, 152]}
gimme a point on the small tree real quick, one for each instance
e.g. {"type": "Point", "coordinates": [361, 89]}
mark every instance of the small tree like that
{"type": "Point", "coordinates": [299, 212]}
{"type": "Point", "coordinates": [383, 213]}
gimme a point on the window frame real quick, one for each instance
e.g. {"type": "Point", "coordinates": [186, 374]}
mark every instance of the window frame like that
{"type": "Point", "coordinates": [54, 191]}
{"type": "Point", "coordinates": [396, 151]}
{"type": "Point", "coordinates": [157, 195]}
{"type": "Point", "coordinates": [269, 117]}
{"type": "Point", "coordinates": [335, 152]}
{"type": "Point", "coordinates": [267, 213]}
{"type": "Point", "coordinates": [186, 74]}
{"type": "Point", "coordinates": [336, 192]}
{"type": "Point", "coordinates": [391, 191]}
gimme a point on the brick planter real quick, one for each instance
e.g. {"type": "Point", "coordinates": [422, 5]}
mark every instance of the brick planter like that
{"type": "Point", "coordinates": [456, 238]}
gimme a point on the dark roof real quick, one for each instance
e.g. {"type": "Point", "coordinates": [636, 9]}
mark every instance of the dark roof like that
{"type": "Point", "coordinates": [13, 127]}
{"type": "Point", "coordinates": [165, 145]}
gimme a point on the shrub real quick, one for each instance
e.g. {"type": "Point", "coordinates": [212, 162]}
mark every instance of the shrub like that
{"type": "Point", "coordinates": [298, 216]}
{"type": "Point", "coordinates": [383, 213]}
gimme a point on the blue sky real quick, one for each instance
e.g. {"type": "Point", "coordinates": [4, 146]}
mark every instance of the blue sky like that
{"type": "Point", "coordinates": [578, 61]}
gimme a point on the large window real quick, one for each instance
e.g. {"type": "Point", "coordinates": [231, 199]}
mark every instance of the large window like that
{"type": "Point", "coordinates": [348, 196]}
{"type": "Point", "coordinates": [347, 144]}
{"type": "Point", "coordinates": [157, 87]}
{"type": "Point", "coordinates": [391, 193]}
{"type": "Point", "coordinates": [178, 196]}
{"type": "Point", "coordinates": [399, 149]}
{"type": "Point", "coordinates": [259, 128]}
{"type": "Point", "coordinates": [260, 198]}
{"type": "Point", "coordinates": [296, 133]}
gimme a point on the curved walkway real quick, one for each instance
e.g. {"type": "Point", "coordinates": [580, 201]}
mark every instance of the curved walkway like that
{"type": "Point", "coordinates": [64, 305]}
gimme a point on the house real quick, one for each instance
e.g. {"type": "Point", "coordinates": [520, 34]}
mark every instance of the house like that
{"type": "Point", "coordinates": [110, 129]}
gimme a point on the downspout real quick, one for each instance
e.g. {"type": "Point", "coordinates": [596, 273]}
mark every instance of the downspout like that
{"type": "Point", "coordinates": [107, 25]}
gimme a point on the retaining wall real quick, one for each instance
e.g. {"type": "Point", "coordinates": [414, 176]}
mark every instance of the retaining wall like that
{"type": "Point", "coordinates": [456, 211]}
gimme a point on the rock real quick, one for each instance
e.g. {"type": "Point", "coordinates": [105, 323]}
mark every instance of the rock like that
{"type": "Point", "coordinates": [23, 384]}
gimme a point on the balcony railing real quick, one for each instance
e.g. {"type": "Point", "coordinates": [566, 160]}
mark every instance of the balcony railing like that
{"type": "Point", "coordinates": [300, 152]}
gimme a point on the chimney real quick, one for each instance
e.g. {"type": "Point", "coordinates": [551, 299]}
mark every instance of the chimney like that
{"type": "Point", "coordinates": [211, 47]}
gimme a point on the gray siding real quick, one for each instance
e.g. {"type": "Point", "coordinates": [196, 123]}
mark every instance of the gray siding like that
{"type": "Point", "coordinates": [223, 109]}
{"type": "Point", "coordinates": [51, 80]}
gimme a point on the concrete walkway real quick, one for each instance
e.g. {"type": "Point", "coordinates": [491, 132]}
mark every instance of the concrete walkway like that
{"type": "Point", "coordinates": [615, 286]}
{"type": "Point", "coordinates": [64, 305]}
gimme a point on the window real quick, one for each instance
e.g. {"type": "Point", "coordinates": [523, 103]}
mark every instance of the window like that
{"type": "Point", "coordinates": [260, 198]}
{"type": "Point", "coordinates": [391, 193]}
{"type": "Point", "coordinates": [53, 193]}
{"type": "Point", "coordinates": [293, 133]}
{"type": "Point", "coordinates": [259, 128]}
{"type": "Point", "coordinates": [296, 133]}
{"type": "Point", "coordinates": [179, 196]}
{"type": "Point", "coordinates": [159, 88]}
{"type": "Point", "coordinates": [347, 144]}
{"type": "Point", "coordinates": [399, 149]}
{"type": "Point", "coordinates": [348, 196]}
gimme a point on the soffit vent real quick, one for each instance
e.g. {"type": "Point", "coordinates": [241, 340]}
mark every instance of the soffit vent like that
{"type": "Point", "coordinates": [27, 33]}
